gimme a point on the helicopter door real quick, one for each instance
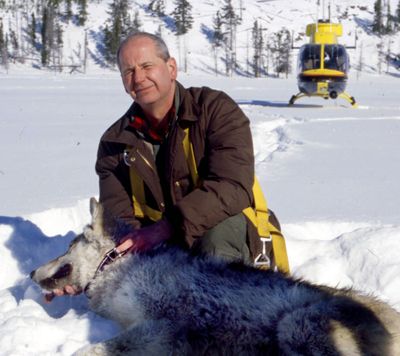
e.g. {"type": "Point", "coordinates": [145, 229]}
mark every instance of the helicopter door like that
{"type": "Point", "coordinates": [309, 57]}
{"type": "Point", "coordinates": [336, 58]}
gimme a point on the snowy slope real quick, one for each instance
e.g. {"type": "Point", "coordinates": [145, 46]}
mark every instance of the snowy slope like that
{"type": "Point", "coordinates": [355, 15]}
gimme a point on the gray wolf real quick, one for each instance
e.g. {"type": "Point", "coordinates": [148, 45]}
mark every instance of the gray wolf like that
{"type": "Point", "coordinates": [173, 303]}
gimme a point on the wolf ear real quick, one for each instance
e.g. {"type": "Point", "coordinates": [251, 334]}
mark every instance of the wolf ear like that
{"type": "Point", "coordinates": [96, 211]}
{"type": "Point", "coordinates": [94, 207]}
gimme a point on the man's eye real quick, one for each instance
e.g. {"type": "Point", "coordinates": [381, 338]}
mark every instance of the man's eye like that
{"type": "Point", "coordinates": [128, 72]}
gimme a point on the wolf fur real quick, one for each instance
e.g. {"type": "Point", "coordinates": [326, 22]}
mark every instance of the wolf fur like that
{"type": "Point", "coordinates": [173, 303]}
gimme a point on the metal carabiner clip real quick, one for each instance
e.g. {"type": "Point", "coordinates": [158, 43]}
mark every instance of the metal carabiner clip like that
{"type": "Point", "coordinates": [262, 260]}
{"type": "Point", "coordinates": [126, 157]}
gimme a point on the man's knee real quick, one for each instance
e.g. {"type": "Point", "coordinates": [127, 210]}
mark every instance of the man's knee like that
{"type": "Point", "coordinates": [227, 240]}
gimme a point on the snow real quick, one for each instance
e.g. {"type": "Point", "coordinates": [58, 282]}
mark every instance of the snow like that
{"type": "Point", "coordinates": [329, 171]}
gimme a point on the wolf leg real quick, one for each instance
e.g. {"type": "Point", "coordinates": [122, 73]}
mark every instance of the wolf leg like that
{"type": "Point", "coordinates": [154, 337]}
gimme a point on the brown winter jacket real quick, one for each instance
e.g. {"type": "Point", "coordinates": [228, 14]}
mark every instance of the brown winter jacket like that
{"type": "Point", "coordinates": [222, 143]}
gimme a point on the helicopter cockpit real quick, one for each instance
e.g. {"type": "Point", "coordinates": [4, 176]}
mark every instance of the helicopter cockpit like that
{"type": "Point", "coordinates": [334, 57]}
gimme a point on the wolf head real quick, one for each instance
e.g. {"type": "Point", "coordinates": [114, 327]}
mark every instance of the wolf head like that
{"type": "Point", "coordinates": [79, 264]}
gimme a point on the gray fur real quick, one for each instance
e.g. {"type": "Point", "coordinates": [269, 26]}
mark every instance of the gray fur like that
{"type": "Point", "coordinates": [172, 303]}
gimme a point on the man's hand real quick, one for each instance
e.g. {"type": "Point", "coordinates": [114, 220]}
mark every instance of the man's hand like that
{"type": "Point", "coordinates": [140, 240]}
{"type": "Point", "coordinates": [146, 238]}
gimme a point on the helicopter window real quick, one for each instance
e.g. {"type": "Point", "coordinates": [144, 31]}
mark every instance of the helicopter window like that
{"type": "Point", "coordinates": [335, 57]}
{"type": "Point", "coordinates": [309, 57]}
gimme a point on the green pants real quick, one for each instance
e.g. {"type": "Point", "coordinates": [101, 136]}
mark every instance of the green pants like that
{"type": "Point", "coordinates": [226, 240]}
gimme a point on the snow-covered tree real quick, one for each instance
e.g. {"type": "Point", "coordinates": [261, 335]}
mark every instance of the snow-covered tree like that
{"type": "Point", "coordinates": [377, 25]}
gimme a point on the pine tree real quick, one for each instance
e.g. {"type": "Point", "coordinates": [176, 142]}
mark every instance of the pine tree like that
{"type": "Point", "coordinates": [183, 20]}
{"type": "Point", "coordinates": [217, 38]}
{"type": "Point", "coordinates": [2, 40]}
{"type": "Point", "coordinates": [32, 30]}
{"type": "Point", "coordinates": [44, 32]}
{"type": "Point", "coordinates": [182, 16]}
{"type": "Point", "coordinates": [157, 7]}
{"type": "Point", "coordinates": [281, 51]}
{"type": "Point", "coordinates": [136, 23]}
{"type": "Point", "coordinates": [68, 10]}
{"type": "Point", "coordinates": [258, 45]}
{"type": "Point", "coordinates": [14, 41]}
{"type": "Point", "coordinates": [58, 43]}
{"type": "Point", "coordinates": [119, 25]}
{"type": "Point", "coordinates": [85, 52]}
{"type": "Point", "coordinates": [377, 25]}
{"type": "Point", "coordinates": [389, 19]}
{"type": "Point", "coordinates": [48, 33]}
{"type": "Point", "coordinates": [3, 48]}
{"type": "Point", "coordinates": [397, 16]}
{"type": "Point", "coordinates": [82, 12]}
{"type": "Point", "coordinates": [231, 21]}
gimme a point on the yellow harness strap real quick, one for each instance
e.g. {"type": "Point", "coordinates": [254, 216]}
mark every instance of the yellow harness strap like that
{"type": "Point", "coordinates": [258, 214]}
{"type": "Point", "coordinates": [141, 209]}
{"type": "Point", "coordinates": [190, 158]}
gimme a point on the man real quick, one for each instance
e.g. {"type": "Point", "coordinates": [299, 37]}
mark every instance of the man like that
{"type": "Point", "coordinates": [148, 139]}
{"type": "Point", "coordinates": [144, 149]}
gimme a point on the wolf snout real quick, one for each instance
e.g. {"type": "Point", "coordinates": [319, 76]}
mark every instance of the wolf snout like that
{"type": "Point", "coordinates": [52, 281]}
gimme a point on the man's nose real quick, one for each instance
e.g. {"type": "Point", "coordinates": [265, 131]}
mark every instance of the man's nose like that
{"type": "Point", "coordinates": [139, 75]}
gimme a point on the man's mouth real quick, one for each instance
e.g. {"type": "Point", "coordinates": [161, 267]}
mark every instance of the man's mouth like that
{"type": "Point", "coordinates": [142, 89]}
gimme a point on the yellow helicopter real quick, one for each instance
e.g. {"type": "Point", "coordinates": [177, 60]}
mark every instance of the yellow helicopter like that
{"type": "Point", "coordinates": [323, 64]}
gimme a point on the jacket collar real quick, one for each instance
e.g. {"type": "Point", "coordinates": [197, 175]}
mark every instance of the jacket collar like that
{"type": "Point", "coordinates": [188, 109]}
{"type": "Point", "coordinates": [122, 132]}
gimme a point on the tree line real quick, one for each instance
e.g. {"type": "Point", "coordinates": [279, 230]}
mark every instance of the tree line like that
{"type": "Point", "coordinates": [385, 22]}
{"type": "Point", "coordinates": [37, 31]}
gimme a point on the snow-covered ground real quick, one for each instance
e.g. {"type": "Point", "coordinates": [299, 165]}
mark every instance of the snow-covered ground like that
{"type": "Point", "coordinates": [330, 172]}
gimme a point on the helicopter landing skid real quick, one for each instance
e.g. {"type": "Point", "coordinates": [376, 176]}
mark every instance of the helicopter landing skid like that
{"type": "Point", "coordinates": [349, 98]}
{"type": "Point", "coordinates": [344, 95]}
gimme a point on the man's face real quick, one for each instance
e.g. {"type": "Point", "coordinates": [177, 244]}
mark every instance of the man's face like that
{"type": "Point", "coordinates": [147, 78]}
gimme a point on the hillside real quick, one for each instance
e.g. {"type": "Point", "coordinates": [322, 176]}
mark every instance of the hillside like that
{"type": "Point", "coordinates": [194, 50]}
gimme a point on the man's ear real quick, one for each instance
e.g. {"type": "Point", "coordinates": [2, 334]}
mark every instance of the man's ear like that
{"type": "Point", "coordinates": [173, 69]}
